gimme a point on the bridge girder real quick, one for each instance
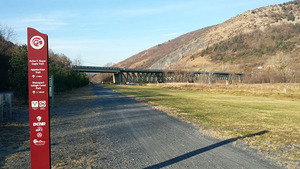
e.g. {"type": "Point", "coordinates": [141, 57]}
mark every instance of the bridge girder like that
{"type": "Point", "coordinates": [123, 76]}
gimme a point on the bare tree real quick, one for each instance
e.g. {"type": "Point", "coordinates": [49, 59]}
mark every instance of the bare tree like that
{"type": "Point", "coordinates": [77, 61]}
{"type": "Point", "coordinates": [109, 64]}
{"type": "Point", "coordinates": [7, 33]}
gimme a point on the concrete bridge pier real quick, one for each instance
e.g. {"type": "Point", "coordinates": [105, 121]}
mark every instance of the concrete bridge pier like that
{"type": "Point", "coordinates": [117, 78]}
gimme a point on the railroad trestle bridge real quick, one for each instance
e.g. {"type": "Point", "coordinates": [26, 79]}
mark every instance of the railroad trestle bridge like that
{"type": "Point", "coordinates": [125, 76]}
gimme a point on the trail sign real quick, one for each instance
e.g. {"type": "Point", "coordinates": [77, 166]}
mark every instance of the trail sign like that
{"type": "Point", "coordinates": [38, 99]}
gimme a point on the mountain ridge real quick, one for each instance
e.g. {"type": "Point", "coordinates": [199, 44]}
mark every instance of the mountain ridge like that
{"type": "Point", "coordinates": [182, 53]}
{"type": "Point", "coordinates": [148, 57]}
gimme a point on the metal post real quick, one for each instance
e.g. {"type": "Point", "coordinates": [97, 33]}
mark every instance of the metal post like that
{"type": "Point", "coordinates": [8, 104]}
{"type": "Point", "coordinates": [51, 88]}
{"type": "Point", "coordinates": [209, 78]}
{"type": "Point", "coordinates": [1, 107]}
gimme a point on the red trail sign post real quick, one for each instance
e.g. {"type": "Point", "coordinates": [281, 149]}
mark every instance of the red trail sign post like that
{"type": "Point", "coordinates": [38, 99]}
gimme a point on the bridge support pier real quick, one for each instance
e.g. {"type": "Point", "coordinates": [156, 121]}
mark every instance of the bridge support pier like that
{"type": "Point", "coordinates": [117, 78]}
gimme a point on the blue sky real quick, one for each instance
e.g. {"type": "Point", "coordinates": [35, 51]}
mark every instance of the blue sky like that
{"type": "Point", "coordinates": [103, 31]}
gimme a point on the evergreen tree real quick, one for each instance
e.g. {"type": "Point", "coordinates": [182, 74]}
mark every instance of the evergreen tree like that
{"type": "Point", "coordinates": [19, 72]}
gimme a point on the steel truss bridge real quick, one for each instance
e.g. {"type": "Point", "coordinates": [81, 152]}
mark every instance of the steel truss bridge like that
{"type": "Point", "coordinates": [125, 76]}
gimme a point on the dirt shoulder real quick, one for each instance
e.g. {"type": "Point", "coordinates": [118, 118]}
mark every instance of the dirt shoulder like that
{"type": "Point", "coordinates": [72, 121]}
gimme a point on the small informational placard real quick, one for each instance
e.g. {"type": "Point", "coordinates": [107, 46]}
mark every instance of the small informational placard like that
{"type": "Point", "coordinates": [38, 99]}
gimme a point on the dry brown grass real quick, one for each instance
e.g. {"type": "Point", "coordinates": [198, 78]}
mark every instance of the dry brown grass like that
{"type": "Point", "coordinates": [288, 90]}
{"type": "Point", "coordinates": [232, 111]}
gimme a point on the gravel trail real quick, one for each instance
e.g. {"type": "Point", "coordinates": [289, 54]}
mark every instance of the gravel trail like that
{"type": "Point", "coordinates": [98, 128]}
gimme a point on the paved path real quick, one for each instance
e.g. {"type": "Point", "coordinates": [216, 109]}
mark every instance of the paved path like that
{"type": "Point", "coordinates": [142, 137]}
{"type": "Point", "coordinates": [93, 127]}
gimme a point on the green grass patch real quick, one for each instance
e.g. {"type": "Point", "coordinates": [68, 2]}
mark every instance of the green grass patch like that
{"type": "Point", "coordinates": [231, 114]}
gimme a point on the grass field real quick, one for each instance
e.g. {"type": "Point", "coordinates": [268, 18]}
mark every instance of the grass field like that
{"type": "Point", "coordinates": [237, 110]}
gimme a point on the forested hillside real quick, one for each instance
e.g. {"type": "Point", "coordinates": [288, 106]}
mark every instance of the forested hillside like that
{"type": "Point", "coordinates": [13, 69]}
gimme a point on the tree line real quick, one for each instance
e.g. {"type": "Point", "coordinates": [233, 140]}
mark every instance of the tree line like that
{"type": "Point", "coordinates": [275, 48]}
{"type": "Point", "coordinates": [14, 70]}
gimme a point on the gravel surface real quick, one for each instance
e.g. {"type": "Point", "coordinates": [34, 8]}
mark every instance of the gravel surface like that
{"type": "Point", "coordinates": [95, 127]}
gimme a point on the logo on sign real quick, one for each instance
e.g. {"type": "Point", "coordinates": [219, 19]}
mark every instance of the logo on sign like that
{"type": "Point", "coordinates": [39, 129]}
{"type": "Point", "coordinates": [39, 135]}
{"type": "Point", "coordinates": [34, 104]}
{"type": "Point", "coordinates": [39, 123]}
{"type": "Point", "coordinates": [42, 103]}
{"type": "Point", "coordinates": [39, 142]}
{"type": "Point", "coordinates": [39, 118]}
{"type": "Point", "coordinates": [37, 42]}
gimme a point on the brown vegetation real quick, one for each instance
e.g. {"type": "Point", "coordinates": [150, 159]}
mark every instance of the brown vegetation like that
{"type": "Point", "coordinates": [147, 58]}
{"type": "Point", "coordinates": [255, 45]}
{"type": "Point", "coordinates": [266, 37]}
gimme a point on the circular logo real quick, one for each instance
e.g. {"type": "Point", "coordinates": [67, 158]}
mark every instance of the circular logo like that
{"type": "Point", "coordinates": [37, 42]}
{"type": "Point", "coordinates": [39, 135]}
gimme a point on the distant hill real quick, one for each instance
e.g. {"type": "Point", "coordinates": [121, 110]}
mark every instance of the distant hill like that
{"type": "Point", "coordinates": [147, 58]}
{"type": "Point", "coordinates": [267, 37]}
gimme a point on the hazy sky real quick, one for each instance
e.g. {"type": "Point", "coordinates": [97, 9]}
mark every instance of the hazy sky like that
{"type": "Point", "coordinates": [102, 31]}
